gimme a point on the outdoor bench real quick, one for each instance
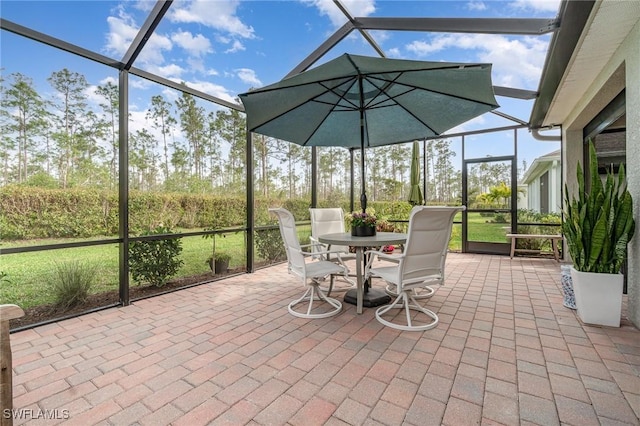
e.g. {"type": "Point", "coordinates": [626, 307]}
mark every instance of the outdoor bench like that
{"type": "Point", "coordinates": [554, 242]}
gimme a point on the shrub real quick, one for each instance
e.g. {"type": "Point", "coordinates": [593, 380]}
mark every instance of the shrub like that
{"type": "Point", "coordinates": [532, 216]}
{"type": "Point", "coordinates": [500, 218]}
{"type": "Point", "coordinates": [72, 283]}
{"type": "Point", "coordinates": [155, 261]}
{"type": "Point", "coordinates": [269, 245]}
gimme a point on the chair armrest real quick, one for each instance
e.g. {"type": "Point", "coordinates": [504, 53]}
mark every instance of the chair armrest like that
{"type": "Point", "coordinates": [314, 241]}
{"type": "Point", "coordinates": [323, 252]}
{"type": "Point", "coordinates": [395, 258]}
{"type": "Point", "coordinates": [314, 247]}
{"type": "Point", "coordinates": [384, 256]}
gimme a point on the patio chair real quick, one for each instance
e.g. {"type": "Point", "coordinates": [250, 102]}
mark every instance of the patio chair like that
{"type": "Point", "coordinates": [329, 221]}
{"type": "Point", "coordinates": [310, 272]}
{"type": "Point", "coordinates": [422, 261]}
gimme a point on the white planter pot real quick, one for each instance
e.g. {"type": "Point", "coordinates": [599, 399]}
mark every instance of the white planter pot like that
{"type": "Point", "coordinates": [598, 297]}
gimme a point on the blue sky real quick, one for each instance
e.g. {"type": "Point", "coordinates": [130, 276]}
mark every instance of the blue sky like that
{"type": "Point", "coordinates": [225, 48]}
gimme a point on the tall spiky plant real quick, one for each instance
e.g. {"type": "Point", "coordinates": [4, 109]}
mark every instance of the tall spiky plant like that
{"type": "Point", "coordinates": [598, 224]}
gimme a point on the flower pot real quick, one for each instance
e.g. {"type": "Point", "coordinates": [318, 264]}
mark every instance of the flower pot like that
{"type": "Point", "coordinates": [569, 298]}
{"type": "Point", "coordinates": [221, 266]}
{"type": "Point", "coordinates": [598, 297]}
{"type": "Point", "coordinates": [363, 231]}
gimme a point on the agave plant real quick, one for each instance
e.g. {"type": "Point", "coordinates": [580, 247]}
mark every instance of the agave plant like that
{"type": "Point", "coordinates": [598, 224]}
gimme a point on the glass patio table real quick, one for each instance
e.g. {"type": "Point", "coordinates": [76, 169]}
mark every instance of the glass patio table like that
{"type": "Point", "coordinates": [363, 295]}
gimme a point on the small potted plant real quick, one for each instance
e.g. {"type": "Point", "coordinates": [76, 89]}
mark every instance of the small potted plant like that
{"type": "Point", "coordinates": [363, 224]}
{"type": "Point", "coordinates": [597, 226]}
{"type": "Point", "coordinates": [219, 262]}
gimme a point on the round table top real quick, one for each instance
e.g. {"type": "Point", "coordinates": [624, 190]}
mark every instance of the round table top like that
{"type": "Point", "coordinates": [380, 239]}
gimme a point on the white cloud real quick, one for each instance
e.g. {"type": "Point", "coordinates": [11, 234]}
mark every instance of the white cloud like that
{"type": "Point", "coordinates": [213, 90]}
{"type": "Point", "coordinates": [140, 83]}
{"type": "Point", "coordinates": [236, 46]}
{"type": "Point", "coordinates": [357, 8]}
{"type": "Point", "coordinates": [248, 76]}
{"type": "Point", "coordinates": [537, 5]}
{"type": "Point", "coordinates": [474, 123]}
{"type": "Point", "coordinates": [195, 45]}
{"type": "Point", "coordinates": [394, 52]}
{"type": "Point", "coordinates": [170, 71]}
{"type": "Point", "coordinates": [476, 5]}
{"type": "Point", "coordinates": [196, 65]}
{"type": "Point", "coordinates": [138, 122]}
{"type": "Point", "coordinates": [517, 62]}
{"type": "Point", "coordinates": [220, 15]}
{"type": "Point", "coordinates": [109, 79]}
{"type": "Point", "coordinates": [122, 31]}
{"type": "Point", "coordinates": [92, 96]}
{"type": "Point", "coordinates": [424, 48]}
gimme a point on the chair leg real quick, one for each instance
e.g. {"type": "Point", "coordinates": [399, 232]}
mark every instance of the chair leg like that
{"type": "Point", "coordinates": [417, 292]}
{"type": "Point", "coordinates": [407, 302]}
{"type": "Point", "coordinates": [330, 285]}
{"type": "Point", "coordinates": [313, 293]}
{"type": "Point", "coordinates": [345, 277]}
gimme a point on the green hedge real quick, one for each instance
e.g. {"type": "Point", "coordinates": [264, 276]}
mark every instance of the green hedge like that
{"type": "Point", "coordinates": [29, 212]}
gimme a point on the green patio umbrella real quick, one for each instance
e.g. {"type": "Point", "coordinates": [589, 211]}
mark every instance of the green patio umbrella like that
{"type": "Point", "coordinates": [359, 101]}
{"type": "Point", "coordinates": [415, 194]}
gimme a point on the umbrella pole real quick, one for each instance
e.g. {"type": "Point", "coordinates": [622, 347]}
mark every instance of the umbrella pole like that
{"type": "Point", "coordinates": [363, 196]}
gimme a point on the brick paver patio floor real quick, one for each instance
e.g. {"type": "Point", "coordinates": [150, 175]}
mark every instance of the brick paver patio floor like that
{"type": "Point", "coordinates": [506, 351]}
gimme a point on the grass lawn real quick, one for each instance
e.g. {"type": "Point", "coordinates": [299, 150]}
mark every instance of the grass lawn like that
{"type": "Point", "coordinates": [30, 275]}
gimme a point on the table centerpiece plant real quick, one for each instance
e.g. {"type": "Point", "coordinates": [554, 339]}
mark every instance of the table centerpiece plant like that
{"type": "Point", "coordinates": [363, 224]}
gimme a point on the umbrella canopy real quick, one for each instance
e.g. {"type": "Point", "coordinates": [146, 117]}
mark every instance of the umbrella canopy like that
{"type": "Point", "coordinates": [415, 194]}
{"type": "Point", "coordinates": [360, 101]}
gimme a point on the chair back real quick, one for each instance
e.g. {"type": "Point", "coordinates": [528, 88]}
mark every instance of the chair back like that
{"type": "Point", "coordinates": [290, 238]}
{"type": "Point", "coordinates": [327, 221]}
{"type": "Point", "coordinates": [427, 243]}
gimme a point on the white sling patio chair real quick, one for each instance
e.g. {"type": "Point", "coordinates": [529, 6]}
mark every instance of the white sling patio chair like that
{"type": "Point", "coordinates": [310, 272]}
{"type": "Point", "coordinates": [422, 261]}
{"type": "Point", "coordinates": [329, 221]}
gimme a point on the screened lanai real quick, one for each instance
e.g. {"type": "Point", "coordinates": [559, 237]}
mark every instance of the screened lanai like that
{"type": "Point", "coordinates": [89, 194]}
{"type": "Point", "coordinates": [82, 179]}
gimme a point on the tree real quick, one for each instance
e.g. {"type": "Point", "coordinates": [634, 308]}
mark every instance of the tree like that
{"type": "Point", "coordinates": [233, 130]}
{"type": "Point", "coordinates": [25, 114]}
{"type": "Point", "coordinates": [212, 150]}
{"type": "Point", "coordinates": [111, 113]}
{"type": "Point", "coordinates": [442, 166]}
{"type": "Point", "coordinates": [142, 160]}
{"type": "Point", "coordinates": [499, 194]}
{"type": "Point", "coordinates": [192, 122]}
{"type": "Point", "coordinates": [71, 106]}
{"type": "Point", "coordinates": [294, 153]}
{"type": "Point", "coordinates": [160, 113]}
{"type": "Point", "coordinates": [268, 151]}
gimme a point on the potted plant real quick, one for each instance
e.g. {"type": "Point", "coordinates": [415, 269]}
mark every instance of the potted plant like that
{"type": "Point", "coordinates": [219, 262]}
{"type": "Point", "coordinates": [363, 224]}
{"type": "Point", "coordinates": [597, 226]}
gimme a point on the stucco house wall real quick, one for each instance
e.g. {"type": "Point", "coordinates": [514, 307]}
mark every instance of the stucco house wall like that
{"type": "Point", "coordinates": [622, 71]}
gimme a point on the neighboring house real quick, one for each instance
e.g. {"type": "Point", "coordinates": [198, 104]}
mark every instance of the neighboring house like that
{"type": "Point", "coordinates": [590, 89]}
{"type": "Point", "coordinates": [542, 182]}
